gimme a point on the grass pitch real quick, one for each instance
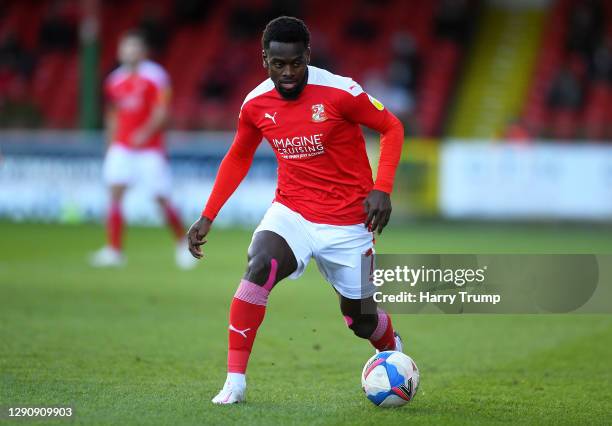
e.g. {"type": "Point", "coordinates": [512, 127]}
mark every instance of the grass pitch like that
{"type": "Point", "coordinates": [146, 344]}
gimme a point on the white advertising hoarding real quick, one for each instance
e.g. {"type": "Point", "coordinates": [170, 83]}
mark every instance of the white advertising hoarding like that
{"type": "Point", "coordinates": [57, 177]}
{"type": "Point", "coordinates": [536, 181]}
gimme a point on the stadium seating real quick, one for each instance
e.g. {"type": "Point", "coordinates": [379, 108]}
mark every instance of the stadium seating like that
{"type": "Point", "coordinates": [589, 119]}
{"type": "Point", "coordinates": [206, 49]}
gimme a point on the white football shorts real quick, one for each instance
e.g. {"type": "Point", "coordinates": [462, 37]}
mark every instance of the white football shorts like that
{"type": "Point", "coordinates": [147, 168]}
{"type": "Point", "coordinates": [338, 250]}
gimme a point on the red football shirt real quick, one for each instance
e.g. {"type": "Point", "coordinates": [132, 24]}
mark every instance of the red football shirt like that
{"type": "Point", "coordinates": [135, 95]}
{"type": "Point", "coordinates": [323, 168]}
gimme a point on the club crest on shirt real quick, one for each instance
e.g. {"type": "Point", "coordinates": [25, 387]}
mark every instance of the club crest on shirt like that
{"type": "Point", "coordinates": [318, 113]}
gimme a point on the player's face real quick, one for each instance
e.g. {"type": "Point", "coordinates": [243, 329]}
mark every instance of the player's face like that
{"type": "Point", "coordinates": [287, 64]}
{"type": "Point", "coordinates": [131, 51]}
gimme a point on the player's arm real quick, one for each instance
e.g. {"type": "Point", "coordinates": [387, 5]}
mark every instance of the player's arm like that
{"type": "Point", "coordinates": [234, 167]}
{"type": "Point", "coordinates": [368, 111]}
{"type": "Point", "coordinates": [110, 114]}
{"type": "Point", "coordinates": [110, 124]}
{"type": "Point", "coordinates": [157, 120]}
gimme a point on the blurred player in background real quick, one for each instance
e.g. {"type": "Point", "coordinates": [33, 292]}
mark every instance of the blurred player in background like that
{"type": "Point", "coordinates": [326, 206]}
{"type": "Point", "coordinates": [138, 94]}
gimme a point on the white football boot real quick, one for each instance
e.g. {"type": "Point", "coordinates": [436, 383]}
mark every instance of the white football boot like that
{"type": "Point", "coordinates": [107, 257]}
{"type": "Point", "coordinates": [399, 345]}
{"type": "Point", "coordinates": [234, 390]}
{"type": "Point", "coordinates": [183, 258]}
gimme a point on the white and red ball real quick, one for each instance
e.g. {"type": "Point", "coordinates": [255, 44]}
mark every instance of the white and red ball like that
{"type": "Point", "coordinates": [390, 379]}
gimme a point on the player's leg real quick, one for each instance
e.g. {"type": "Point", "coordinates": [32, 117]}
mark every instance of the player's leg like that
{"type": "Point", "coordinates": [377, 328]}
{"type": "Point", "coordinates": [172, 217]}
{"type": "Point", "coordinates": [182, 257]}
{"type": "Point", "coordinates": [111, 254]}
{"type": "Point", "coordinates": [118, 176]}
{"type": "Point", "coordinates": [346, 260]}
{"type": "Point", "coordinates": [114, 223]}
{"type": "Point", "coordinates": [155, 177]}
{"type": "Point", "coordinates": [270, 260]}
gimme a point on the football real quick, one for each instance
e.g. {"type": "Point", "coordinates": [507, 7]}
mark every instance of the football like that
{"type": "Point", "coordinates": [390, 379]}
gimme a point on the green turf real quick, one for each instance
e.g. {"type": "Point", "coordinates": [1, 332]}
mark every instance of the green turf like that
{"type": "Point", "coordinates": [146, 344]}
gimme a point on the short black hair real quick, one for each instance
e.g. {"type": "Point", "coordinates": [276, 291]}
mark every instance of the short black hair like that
{"type": "Point", "coordinates": [285, 29]}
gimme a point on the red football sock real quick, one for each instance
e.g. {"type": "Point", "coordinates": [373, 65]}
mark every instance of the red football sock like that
{"type": "Point", "coordinates": [383, 337]}
{"type": "Point", "coordinates": [246, 315]}
{"type": "Point", "coordinates": [114, 226]}
{"type": "Point", "coordinates": [174, 221]}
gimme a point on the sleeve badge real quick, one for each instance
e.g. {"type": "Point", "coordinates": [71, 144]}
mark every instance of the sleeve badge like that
{"type": "Point", "coordinates": [377, 104]}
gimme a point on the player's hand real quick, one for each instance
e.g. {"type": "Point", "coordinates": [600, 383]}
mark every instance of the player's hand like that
{"type": "Point", "coordinates": [378, 210]}
{"type": "Point", "coordinates": [196, 236]}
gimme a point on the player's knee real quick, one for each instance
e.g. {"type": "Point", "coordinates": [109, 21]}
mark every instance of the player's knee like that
{"type": "Point", "coordinates": [261, 270]}
{"type": "Point", "coordinates": [362, 325]}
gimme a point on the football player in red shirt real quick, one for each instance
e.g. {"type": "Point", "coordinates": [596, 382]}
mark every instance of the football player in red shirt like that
{"type": "Point", "coordinates": [326, 207]}
{"type": "Point", "coordinates": [138, 94]}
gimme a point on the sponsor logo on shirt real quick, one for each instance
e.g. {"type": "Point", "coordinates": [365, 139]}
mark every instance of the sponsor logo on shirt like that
{"type": "Point", "coordinates": [130, 102]}
{"type": "Point", "coordinates": [299, 147]}
{"type": "Point", "coordinates": [318, 113]}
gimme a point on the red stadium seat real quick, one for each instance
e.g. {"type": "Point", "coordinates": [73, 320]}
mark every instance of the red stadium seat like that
{"type": "Point", "coordinates": [193, 50]}
{"type": "Point", "coordinates": [593, 121]}
{"type": "Point", "coordinates": [596, 111]}
{"type": "Point", "coordinates": [564, 124]}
